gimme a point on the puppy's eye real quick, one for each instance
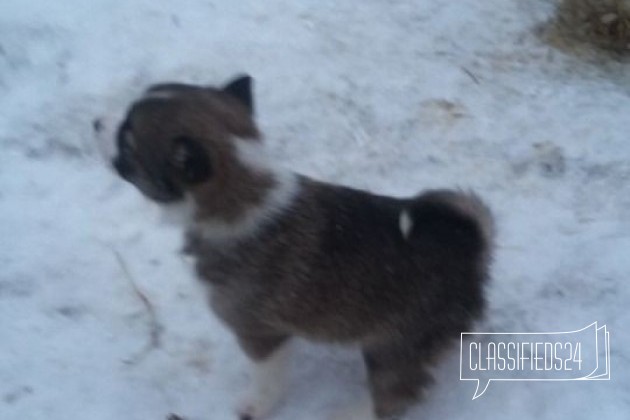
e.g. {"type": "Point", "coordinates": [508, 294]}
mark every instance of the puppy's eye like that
{"type": "Point", "coordinates": [190, 160]}
{"type": "Point", "coordinates": [180, 157]}
{"type": "Point", "coordinates": [128, 142]}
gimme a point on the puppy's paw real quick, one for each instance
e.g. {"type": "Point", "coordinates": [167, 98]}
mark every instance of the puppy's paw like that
{"type": "Point", "coordinates": [258, 404]}
{"type": "Point", "coordinates": [360, 410]}
{"type": "Point", "coordinates": [268, 386]}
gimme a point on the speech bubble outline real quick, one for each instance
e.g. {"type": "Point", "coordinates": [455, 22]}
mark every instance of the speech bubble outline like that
{"type": "Point", "coordinates": [484, 383]}
{"type": "Point", "coordinates": [606, 337]}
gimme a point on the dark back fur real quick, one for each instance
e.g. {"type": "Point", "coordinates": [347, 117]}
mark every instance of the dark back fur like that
{"type": "Point", "coordinates": [336, 267]}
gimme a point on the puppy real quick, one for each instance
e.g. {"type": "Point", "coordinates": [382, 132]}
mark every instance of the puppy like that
{"type": "Point", "coordinates": [285, 255]}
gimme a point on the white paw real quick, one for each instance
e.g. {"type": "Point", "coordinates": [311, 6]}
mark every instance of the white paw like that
{"type": "Point", "coordinates": [360, 410]}
{"type": "Point", "coordinates": [268, 387]}
{"type": "Point", "coordinates": [259, 403]}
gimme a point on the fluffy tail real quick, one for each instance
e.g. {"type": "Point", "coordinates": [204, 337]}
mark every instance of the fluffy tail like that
{"type": "Point", "coordinates": [468, 204]}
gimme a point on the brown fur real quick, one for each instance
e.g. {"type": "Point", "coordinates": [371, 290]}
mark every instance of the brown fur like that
{"type": "Point", "coordinates": [333, 263]}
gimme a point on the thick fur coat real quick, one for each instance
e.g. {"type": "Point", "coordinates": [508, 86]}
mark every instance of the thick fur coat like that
{"type": "Point", "coordinates": [285, 255]}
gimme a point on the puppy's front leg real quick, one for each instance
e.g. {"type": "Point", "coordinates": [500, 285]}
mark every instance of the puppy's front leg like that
{"type": "Point", "coordinates": [269, 355]}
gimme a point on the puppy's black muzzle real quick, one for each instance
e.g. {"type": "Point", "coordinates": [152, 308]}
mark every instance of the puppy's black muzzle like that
{"type": "Point", "coordinates": [159, 189]}
{"type": "Point", "coordinates": [123, 167]}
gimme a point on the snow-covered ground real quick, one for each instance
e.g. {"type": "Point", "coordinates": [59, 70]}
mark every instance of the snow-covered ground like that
{"type": "Point", "coordinates": [390, 96]}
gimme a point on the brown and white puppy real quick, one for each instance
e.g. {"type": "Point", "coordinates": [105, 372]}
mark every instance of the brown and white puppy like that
{"type": "Point", "coordinates": [285, 255]}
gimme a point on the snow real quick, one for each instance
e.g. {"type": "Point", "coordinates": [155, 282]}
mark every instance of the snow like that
{"type": "Point", "coordinates": [390, 96]}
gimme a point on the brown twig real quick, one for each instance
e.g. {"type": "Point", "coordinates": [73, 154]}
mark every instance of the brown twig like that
{"type": "Point", "coordinates": [155, 329]}
{"type": "Point", "coordinates": [472, 75]}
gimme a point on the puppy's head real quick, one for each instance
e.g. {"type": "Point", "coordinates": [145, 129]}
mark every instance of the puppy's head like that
{"type": "Point", "coordinates": [178, 138]}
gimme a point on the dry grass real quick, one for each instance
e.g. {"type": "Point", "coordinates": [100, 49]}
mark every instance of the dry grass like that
{"type": "Point", "coordinates": [604, 24]}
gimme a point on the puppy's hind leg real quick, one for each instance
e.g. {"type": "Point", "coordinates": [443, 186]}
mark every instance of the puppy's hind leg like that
{"type": "Point", "coordinates": [361, 409]}
{"type": "Point", "coordinates": [269, 355]}
{"type": "Point", "coordinates": [397, 374]}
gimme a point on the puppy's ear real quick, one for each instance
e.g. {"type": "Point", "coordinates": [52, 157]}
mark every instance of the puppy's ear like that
{"type": "Point", "coordinates": [241, 89]}
{"type": "Point", "coordinates": [189, 161]}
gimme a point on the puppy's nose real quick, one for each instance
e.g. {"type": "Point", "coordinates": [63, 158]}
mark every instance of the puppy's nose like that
{"type": "Point", "coordinates": [97, 125]}
{"type": "Point", "coordinates": [123, 167]}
